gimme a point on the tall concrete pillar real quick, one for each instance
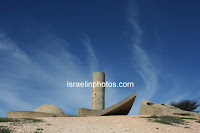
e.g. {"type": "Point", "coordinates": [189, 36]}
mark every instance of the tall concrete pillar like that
{"type": "Point", "coordinates": [98, 92]}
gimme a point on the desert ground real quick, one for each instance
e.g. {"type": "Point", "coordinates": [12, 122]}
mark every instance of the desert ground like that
{"type": "Point", "coordinates": [102, 124]}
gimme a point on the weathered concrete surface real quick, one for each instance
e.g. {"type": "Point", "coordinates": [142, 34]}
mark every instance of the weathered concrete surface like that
{"type": "Point", "coordinates": [121, 108]}
{"type": "Point", "coordinates": [49, 108]}
{"type": "Point", "coordinates": [85, 112]}
{"type": "Point", "coordinates": [33, 114]}
{"type": "Point", "coordinates": [150, 108]}
{"type": "Point", "coordinates": [98, 92]}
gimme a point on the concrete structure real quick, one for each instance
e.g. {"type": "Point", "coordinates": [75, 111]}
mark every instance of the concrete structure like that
{"type": "Point", "coordinates": [121, 108]}
{"type": "Point", "coordinates": [150, 108]}
{"type": "Point", "coordinates": [33, 114]}
{"type": "Point", "coordinates": [98, 100]}
{"type": "Point", "coordinates": [49, 108]}
{"type": "Point", "coordinates": [98, 104]}
{"type": "Point", "coordinates": [98, 91]}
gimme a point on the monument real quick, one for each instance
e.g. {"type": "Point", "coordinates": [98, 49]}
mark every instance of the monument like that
{"type": "Point", "coordinates": [98, 105]}
{"type": "Point", "coordinates": [150, 108]}
{"type": "Point", "coordinates": [98, 93]}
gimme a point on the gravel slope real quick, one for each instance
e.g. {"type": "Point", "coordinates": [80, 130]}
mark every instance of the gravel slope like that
{"type": "Point", "coordinates": [103, 124]}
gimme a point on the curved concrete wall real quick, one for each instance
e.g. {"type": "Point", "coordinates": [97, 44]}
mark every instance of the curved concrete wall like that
{"type": "Point", "coordinates": [121, 108]}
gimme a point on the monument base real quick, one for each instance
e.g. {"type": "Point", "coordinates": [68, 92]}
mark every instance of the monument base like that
{"type": "Point", "coordinates": [121, 108]}
{"type": "Point", "coordinates": [33, 114]}
{"type": "Point", "coordinates": [150, 108]}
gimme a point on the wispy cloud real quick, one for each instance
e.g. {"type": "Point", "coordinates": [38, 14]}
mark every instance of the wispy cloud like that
{"type": "Point", "coordinates": [30, 81]}
{"type": "Point", "coordinates": [144, 66]}
{"type": "Point", "coordinates": [149, 73]}
{"type": "Point", "coordinates": [146, 71]}
{"type": "Point", "coordinates": [92, 57]}
{"type": "Point", "coordinates": [9, 45]}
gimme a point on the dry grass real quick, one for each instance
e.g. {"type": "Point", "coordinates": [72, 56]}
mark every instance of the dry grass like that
{"type": "Point", "coordinates": [169, 120]}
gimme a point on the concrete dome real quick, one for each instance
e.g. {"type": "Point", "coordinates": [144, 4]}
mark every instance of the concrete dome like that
{"type": "Point", "coordinates": [49, 108]}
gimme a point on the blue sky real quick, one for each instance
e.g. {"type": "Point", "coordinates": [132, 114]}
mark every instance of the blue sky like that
{"type": "Point", "coordinates": [43, 44]}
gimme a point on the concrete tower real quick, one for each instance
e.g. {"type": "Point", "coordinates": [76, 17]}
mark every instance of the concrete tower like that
{"type": "Point", "coordinates": [98, 92]}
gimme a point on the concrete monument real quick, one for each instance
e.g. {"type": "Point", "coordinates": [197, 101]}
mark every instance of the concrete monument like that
{"type": "Point", "coordinates": [98, 93]}
{"type": "Point", "coordinates": [98, 104]}
{"type": "Point", "coordinates": [150, 108]}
